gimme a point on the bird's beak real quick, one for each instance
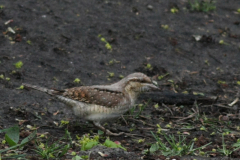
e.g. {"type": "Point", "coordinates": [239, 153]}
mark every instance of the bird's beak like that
{"type": "Point", "coordinates": [153, 87]}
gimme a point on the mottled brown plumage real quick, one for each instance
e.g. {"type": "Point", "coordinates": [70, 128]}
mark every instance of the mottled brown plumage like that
{"type": "Point", "coordinates": [101, 103]}
{"type": "Point", "coordinates": [94, 96]}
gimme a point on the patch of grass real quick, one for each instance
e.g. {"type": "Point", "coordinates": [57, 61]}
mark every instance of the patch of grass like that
{"type": "Point", "coordinates": [227, 152]}
{"type": "Point", "coordinates": [175, 146]}
{"type": "Point", "coordinates": [55, 150]}
{"type": "Point", "coordinates": [202, 5]}
{"type": "Point", "coordinates": [141, 108]}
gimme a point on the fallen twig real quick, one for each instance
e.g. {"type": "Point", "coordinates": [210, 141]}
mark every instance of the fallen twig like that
{"type": "Point", "coordinates": [188, 117]}
{"type": "Point", "coordinates": [167, 108]}
{"type": "Point", "coordinates": [234, 102]}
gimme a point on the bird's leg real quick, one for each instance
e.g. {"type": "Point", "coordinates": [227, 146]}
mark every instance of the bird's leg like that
{"type": "Point", "coordinates": [97, 124]}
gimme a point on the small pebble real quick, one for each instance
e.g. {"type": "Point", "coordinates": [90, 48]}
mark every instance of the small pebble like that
{"type": "Point", "coordinates": [150, 7]}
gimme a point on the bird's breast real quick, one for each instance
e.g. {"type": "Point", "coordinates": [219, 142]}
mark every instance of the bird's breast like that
{"type": "Point", "coordinates": [93, 112]}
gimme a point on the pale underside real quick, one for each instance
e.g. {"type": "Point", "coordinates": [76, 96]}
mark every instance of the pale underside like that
{"type": "Point", "coordinates": [93, 112]}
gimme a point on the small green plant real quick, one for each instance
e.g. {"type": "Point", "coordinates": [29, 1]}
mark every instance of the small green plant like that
{"type": "Point", "coordinates": [222, 42]}
{"type": "Point", "coordinates": [202, 5]}
{"type": "Point", "coordinates": [169, 125]}
{"type": "Point", "coordinates": [55, 150]}
{"type": "Point", "coordinates": [141, 140]}
{"type": "Point", "coordinates": [162, 76]}
{"type": "Point", "coordinates": [121, 77]}
{"type": "Point", "coordinates": [238, 82]}
{"type": "Point", "coordinates": [113, 61]}
{"type": "Point", "coordinates": [88, 143]}
{"type": "Point", "coordinates": [176, 148]}
{"type": "Point", "coordinates": [12, 139]}
{"type": "Point", "coordinates": [141, 108]}
{"type": "Point", "coordinates": [174, 10]}
{"type": "Point", "coordinates": [149, 66]}
{"type": "Point", "coordinates": [1, 76]}
{"type": "Point", "coordinates": [159, 129]}
{"type": "Point", "coordinates": [63, 122]}
{"type": "Point", "coordinates": [228, 152]}
{"type": "Point", "coordinates": [19, 64]}
{"type": "Point", "coordinates": [21, 87]}
{"type": "Point", "coordinates": [221, 82]}
{"type": "Point", "coordinates": [203, 128]}
{"type": "Point", "coordinates": [165, 26]}
{"type": "Point", "coordinates": [77, 80]}
{"type": "Point", "coordinates": [29, 42]}
{"type": "Point", "coordinates": [111, 74]}
{"type": "Point", "coordinates": [107, 44]}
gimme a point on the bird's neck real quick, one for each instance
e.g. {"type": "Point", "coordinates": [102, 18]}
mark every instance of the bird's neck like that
{"type": "Point", "coordinates": [132, 91]}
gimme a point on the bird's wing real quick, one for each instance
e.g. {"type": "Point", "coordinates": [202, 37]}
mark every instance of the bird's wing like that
{"type": "Point", "coordinates": [95, 95]}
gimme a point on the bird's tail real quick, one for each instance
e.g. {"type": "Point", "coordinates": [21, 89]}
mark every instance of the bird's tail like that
{"type": "Point", "coordinates": [42, 89]}
{"type": "Point", "coordinates": [53, 92]}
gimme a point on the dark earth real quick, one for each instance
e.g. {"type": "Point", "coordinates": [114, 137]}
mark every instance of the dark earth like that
{"type": "Point", "coordinates": [61, 40]}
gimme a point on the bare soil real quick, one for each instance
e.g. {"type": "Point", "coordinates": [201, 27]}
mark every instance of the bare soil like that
{"type": "Point", "coordinates": [59, 41]}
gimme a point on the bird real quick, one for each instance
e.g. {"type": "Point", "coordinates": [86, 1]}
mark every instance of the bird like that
{"type": "Point", "coordinates": [102, 103]}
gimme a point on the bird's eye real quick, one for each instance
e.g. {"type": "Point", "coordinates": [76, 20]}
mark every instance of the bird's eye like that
{"type": "Point", "coordinates": [141, 80]}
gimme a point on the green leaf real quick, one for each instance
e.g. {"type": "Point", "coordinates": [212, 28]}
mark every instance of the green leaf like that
{"type": "Point", "coordinates": [10, 141]}
{"type": "Point", "coordinates": [111, 144]}
{"type": "Point", "coordinates": [89, 145]}
{"type": "Point", "coordinates": [12, 135]}
{"type": "Point", "coordinates": [100, 132]}
{"type": "Point", "coordinates": [154, 148]}
{"type": "Point", "coordinates": [76, 157]}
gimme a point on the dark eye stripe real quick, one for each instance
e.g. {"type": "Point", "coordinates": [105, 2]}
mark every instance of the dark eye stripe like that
{"type": "Point", "coordinates": [140, 80]}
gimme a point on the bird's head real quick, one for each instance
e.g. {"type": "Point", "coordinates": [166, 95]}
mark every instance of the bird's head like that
{"type": "Point", "coordinates": [138, 82]}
